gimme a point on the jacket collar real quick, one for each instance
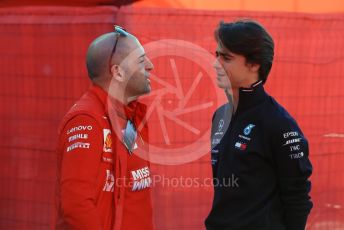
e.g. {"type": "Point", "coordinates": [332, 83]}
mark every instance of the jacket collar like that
{"type": "Point", "coordinates": [252, 96]}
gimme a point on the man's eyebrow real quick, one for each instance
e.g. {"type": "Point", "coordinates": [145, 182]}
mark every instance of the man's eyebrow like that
{"type": "Point", "coordinates": [224, 54]}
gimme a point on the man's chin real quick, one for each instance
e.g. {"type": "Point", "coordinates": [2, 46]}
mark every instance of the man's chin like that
{"type": "Point", "coordinates": [148, 89]}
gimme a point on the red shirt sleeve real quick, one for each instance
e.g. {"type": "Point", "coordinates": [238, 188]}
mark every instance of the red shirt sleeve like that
{"type": "Point", "coordinates": [81, 146]}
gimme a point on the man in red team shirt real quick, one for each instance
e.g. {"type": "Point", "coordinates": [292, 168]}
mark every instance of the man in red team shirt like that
{"type": "Point", "coordinates": [102, 183]}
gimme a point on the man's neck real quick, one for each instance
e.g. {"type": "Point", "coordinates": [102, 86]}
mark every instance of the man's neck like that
{"type": "Point", "coordinates": [120, 96]}
{"type": "Point", "coordinates": [116, 93]}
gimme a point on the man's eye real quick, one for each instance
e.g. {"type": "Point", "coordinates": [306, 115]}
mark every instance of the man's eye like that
{"type": "Point", "coordinates": [226, 58]}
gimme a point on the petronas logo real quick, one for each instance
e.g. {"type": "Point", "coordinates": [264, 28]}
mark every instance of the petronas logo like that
{"type": "Point", "coordinates": [248, 129]}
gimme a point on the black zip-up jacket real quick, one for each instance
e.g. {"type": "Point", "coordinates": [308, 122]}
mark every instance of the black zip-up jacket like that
{"type": "Point", "coordinates": [260, 166]}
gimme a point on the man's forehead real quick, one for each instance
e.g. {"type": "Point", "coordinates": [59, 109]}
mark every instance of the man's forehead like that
{"type": "Point", "coordinates": [138, 52]}
{"type": "Point", "coordinates": [134, 46]}
{"type": "Point", "coordinates": [220, 47]}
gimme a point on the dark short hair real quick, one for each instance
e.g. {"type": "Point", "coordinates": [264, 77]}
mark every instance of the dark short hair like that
{"type": "Point", "coordinates": [248, 38]}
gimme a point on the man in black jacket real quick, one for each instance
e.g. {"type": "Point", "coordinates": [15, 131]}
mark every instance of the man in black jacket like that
{"type": "Point", "coordinates": [259, 154]}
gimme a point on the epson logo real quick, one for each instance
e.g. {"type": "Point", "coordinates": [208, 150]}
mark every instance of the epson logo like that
{"type": "Point", "coordinates": [290, 134]}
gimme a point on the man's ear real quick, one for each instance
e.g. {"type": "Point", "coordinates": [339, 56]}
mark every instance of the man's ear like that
{"type": "Point", "coordinates": [117, 73]}
{"type": "Point", "coordinates": [253, 67]}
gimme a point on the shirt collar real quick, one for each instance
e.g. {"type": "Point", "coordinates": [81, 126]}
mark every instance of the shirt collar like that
{"type": "Point", "coordinates": [251, 96]}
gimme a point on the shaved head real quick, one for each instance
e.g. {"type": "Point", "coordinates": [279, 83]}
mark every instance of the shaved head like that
{"type": "Point", "coordinates": [124, 77]}
{"type": "Point", "coordinates": [99, 52]}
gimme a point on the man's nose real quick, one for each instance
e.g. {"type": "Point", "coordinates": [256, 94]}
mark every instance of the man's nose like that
{"type": "Point", "coordinates": [149, 65]}
{"type": "Point", "coordinates": [217, 64]}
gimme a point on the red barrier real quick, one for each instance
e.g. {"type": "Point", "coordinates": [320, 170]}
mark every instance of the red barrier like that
{"type": "Point", "coordinates": [43, 73]}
